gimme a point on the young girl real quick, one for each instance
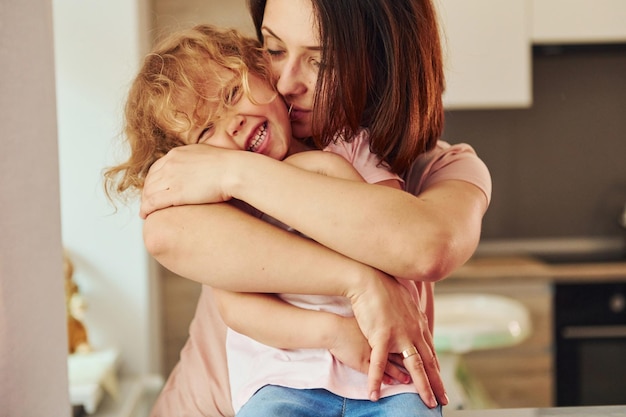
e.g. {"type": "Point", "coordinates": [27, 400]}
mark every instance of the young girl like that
{"type": "Point", "coordinates": [210, 87]}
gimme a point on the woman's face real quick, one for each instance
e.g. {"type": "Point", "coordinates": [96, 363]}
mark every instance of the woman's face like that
{"type": "Point", "coordinates": [290, 37]}
{"type": "Point", "coordinates": [260, 126]}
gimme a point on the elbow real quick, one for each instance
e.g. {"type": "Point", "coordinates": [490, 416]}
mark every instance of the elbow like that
{"type": "Point", "coordinates": [441, 258]}
{"type": "Point", "coordinates": [155, 237]}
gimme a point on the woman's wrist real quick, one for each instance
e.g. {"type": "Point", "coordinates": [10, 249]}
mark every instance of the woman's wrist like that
{"type": "Point", "coordinates": [244, 169]}
{"type": "Point", "coordinates": [238, 165]}
{"type": "Point", "coordinates": [361, 279]}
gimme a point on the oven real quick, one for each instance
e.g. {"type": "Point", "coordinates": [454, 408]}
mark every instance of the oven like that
{"type": "Point", "coordinates": [590, 336]}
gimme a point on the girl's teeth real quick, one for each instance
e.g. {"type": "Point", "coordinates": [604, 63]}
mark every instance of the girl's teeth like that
{"type": "Point", "coordinates": [259, 138]}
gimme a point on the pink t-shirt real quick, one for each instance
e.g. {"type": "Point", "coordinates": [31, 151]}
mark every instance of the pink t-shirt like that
{"type": "Point", "coordinates": [198, 385]}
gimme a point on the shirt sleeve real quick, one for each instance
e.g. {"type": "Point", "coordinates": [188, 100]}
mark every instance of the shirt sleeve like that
{"type": "Point", "coordinates": [448, 162]}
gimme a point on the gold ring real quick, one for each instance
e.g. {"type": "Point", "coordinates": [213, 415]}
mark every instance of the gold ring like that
{"type": "Point", "coordinates": [409, 352]}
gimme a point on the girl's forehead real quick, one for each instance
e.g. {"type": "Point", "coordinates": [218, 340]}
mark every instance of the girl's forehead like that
{"type": "Point", "coordinates": [217, 76]}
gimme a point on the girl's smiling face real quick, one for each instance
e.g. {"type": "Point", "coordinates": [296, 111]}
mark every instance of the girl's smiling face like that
{"type": "Point", "coordinates": [254, 119]}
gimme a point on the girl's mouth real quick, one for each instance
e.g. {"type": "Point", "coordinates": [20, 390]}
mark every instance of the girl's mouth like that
{"type": "Point", "coordinates": [258, 138]}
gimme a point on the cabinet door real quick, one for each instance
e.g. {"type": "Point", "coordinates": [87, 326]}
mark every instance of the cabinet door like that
{"type": "Point", "coordinates": [487, 52]}
{"type": "Point", "coordinates": [578, 21]}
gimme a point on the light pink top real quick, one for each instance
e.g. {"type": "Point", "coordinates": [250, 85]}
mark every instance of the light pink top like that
{"type": "Point", "coordinates": [252, 365]}
{"type": "Point", "coordinates": [198, 385]}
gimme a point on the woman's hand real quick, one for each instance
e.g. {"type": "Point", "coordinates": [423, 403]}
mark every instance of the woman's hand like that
{"type": "Point", "coordinates": [392, 322]}
{"type": "Point", "coordinates": [351, 347]}
{"type": "Point", "coordinates": [191, 174]}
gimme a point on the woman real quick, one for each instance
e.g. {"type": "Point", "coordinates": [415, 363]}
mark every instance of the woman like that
{"type": "Point", "coordinates": [347, 60]}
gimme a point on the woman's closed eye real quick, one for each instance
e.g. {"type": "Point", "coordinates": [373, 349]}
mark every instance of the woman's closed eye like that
{"type": "Point", "coordinates": [315, 62]}
{"type": "Point", "coordinates": [275, 53]}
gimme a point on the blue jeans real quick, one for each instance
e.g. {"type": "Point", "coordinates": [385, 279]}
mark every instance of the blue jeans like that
{"type": "Point", "coordinates": [274, 401]}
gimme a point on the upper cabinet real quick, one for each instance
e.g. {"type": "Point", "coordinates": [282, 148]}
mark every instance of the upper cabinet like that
{"type": "Point", "coordinates": [487, 53]}
{"type": "Point", "coordinates": [578, 21]}
{"type": "Point", "coordinates": [488, 43]}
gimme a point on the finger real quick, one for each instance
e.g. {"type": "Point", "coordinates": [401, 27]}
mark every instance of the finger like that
{"type": "Point", "coordinates": [153, 201]}
{"type": "Point", "coordinates": [156, 165]}
{"type": "Point", "coordinates": [378, 363]}
{"type": "Point", "coordinates": [431, 366]}
{"type": "Point", "coordinates": [396, 373]}
{"type": "Point", "coordinates": [433, 370]}
{"type": "Point", "coordinates": [415, 367]}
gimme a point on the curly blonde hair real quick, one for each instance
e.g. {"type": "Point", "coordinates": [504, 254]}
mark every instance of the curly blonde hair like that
{"type": "Point", "coordinates": [184, 65]}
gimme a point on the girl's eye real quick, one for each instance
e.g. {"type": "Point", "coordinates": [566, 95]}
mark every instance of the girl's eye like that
{"type": "Point", "coordinates": [206, 133]}
{"type": "Point", "coordinates": [233, 95]}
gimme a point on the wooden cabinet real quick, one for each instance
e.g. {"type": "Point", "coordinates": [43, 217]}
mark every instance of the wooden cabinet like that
{"type": "Point", "coordinates": [519, 376]}
{"type": "Point", "coordinates": [578, 21]}
{"type": "Point", "coordinates": [487, 52]}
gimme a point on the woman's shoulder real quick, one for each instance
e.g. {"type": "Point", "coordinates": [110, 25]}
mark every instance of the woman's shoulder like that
{"type": "Point", "coordinates": [448, 162]}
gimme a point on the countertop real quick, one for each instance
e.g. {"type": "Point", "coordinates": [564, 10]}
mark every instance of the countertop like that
{"type": "Point", "coordinates": [526, 266]}
{"type": "Point", "coordinates": [600, 411]}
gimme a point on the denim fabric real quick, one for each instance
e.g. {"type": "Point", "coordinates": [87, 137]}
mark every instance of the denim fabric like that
{"type": "Point", "coordinates": [275, 401]}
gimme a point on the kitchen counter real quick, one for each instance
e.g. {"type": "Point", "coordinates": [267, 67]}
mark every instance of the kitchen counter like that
{"type": "Point", "coordinates": [600, 411]}
{"type": "Point", "coordinates": [526, 266]}
{"type": "Point", "coordinates": [522, 376]}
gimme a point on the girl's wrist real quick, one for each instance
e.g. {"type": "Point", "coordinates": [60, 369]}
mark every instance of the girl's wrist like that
{"type": "Point", "coordinates": [334, 326]}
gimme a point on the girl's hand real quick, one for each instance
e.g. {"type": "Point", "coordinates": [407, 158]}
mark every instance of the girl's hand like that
{"type": "Point", "coordinates": [190, 174]}
{"type": "Point", "coordinates": [393, 323]}
{"type": "Point", "coordinates": [351, 347]}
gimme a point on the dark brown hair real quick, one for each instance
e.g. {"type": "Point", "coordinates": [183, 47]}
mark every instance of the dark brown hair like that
{"type": "Point", "coordinates": [381, 69]}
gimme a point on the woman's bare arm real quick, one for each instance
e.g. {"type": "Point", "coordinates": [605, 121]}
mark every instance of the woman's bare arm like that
{"type": "Point", "coordinates": [422, 238]}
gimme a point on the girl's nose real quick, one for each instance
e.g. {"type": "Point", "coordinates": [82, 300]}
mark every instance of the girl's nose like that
{"type": "Point", "coordinates": [236, 124]}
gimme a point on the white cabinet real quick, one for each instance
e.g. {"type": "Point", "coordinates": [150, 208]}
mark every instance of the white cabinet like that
{"type": "Point", "coordinates": [488, 43]}
{"type": "Point", "coordinates": [487, 53]}
{"type": "Point", "coordinates": [578, 21]}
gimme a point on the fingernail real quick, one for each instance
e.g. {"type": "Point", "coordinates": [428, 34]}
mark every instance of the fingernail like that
{"type": "Point", "coordinates": [445, 396]}
{"type": "Point", "coordinates": [374, 396]}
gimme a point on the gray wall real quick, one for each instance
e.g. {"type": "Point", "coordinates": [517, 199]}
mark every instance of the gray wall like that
{"type": "Point", "coordinates": [558, 168]}
{"type": "Point", "coordinates": [33, 340]}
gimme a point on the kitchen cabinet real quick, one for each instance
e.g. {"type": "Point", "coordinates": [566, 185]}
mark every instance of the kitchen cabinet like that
{"type": "Point", "coordinates": [522, 375]}
{"type": "Point", "coordinates": [487, 53]}
{"type": "Point", "coordinates": [488, 43]}
{"type": "Point", "coordinates": [578, 21]}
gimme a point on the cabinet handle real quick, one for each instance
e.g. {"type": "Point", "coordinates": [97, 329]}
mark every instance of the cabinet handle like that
{"type": "Point", "coordinates": [593, 332]}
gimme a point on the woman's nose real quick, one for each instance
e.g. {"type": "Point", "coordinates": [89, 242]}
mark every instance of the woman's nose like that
{"type": "Point", "coordinates": [291, 80]}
